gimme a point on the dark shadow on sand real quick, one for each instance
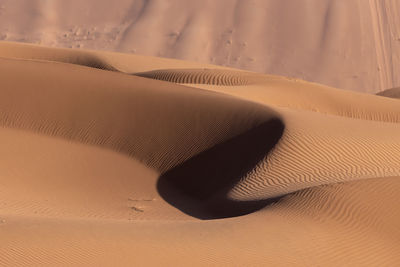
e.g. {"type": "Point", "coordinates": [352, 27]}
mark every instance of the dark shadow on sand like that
{"type": "Point", "coordinates": [199, 185]}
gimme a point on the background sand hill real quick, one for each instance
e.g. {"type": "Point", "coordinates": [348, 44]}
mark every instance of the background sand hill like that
{"type": "Point", "coordinates": [393, 93]}
{"type": "Point", "coordinates": [345, 44]}
{"type": "Point", "coordinates": [111, 159]}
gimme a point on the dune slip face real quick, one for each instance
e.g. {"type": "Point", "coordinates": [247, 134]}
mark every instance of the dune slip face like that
{"type": "Point", "coordinates": [112, 159]}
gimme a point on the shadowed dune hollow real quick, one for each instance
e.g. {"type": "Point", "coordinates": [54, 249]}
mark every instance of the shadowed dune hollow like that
{"type": "Point", "coordinates": [207, 177]}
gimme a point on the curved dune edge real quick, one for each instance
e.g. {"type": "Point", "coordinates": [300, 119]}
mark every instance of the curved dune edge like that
{"type": "Point", "coordinates": [279, 91]}
{"type": "Point", "coordinates": [112, 158]}
{"type": "Point", "coordinates": [103, 60]}
{"type": "Point", "coordinates": [261, 88]}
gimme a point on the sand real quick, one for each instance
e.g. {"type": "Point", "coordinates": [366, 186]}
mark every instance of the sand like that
{"type": "Point", "coordinates": [110, 159]}
{"type": "Point", "coordinates": [345, 44]}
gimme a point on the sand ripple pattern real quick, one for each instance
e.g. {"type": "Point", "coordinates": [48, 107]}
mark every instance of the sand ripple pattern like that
{"type": "Point", "coordinates": [201, 76]}
{"type": "Point", "coordinates": [312, 153]}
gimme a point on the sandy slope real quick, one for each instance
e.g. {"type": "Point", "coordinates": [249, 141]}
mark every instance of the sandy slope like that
{"type": "Point", "coordinates": [346, 44]}
{"type": "Point", "coordinates": [109, 159]}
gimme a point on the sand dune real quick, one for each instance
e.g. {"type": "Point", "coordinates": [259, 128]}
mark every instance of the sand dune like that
{"type": "Point", "coordinates": [345, 44]}
{"type": "Point", "coordinates": [280, 91]}
{"type": "Point", "coordinates": [111, 159]}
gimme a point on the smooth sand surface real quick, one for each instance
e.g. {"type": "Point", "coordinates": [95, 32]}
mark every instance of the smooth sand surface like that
{"type": "Point", "coordinates": [110, 159]}
{"type": "Point", "coordinates": [348, 44]}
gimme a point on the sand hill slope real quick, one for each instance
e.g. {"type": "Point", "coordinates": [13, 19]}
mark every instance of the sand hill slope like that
{"type": "Point", "coordinates": [111, 159]}
{"type": "Point", "coordinates": [346, 44]}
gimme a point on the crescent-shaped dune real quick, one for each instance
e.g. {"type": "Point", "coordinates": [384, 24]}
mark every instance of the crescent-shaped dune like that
{"type": "Point", "coordinates": [113, 159]}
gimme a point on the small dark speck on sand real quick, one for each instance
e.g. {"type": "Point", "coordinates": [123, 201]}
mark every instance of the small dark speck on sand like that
{"type": "Point", "coordinates": [136, 209]}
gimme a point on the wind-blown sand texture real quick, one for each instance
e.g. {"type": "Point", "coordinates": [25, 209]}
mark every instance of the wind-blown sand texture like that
{"type": "Point", "coordinates": [349, 44]}
{"type": "Point", "coordinates": [111, 159]}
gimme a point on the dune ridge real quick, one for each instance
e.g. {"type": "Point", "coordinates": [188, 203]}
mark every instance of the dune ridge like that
{"type": "Point", "coordinates": [279, 91]}
{"type": "Point", "coordinates": [110, 159]}
{"type": "Point", "coordinates": [265, 89]}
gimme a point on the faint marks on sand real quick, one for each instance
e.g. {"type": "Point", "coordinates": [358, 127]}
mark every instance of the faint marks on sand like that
{"type": "Point", "coordinates": [137, 204]}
